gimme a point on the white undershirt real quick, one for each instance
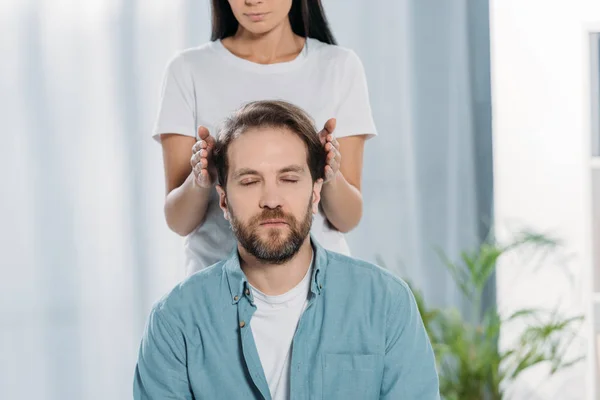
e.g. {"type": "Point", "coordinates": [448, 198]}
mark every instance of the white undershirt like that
{"type": "Point", "coordinates": [273, 327]}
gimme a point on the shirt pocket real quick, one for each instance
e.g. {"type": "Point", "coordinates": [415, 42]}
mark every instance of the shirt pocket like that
{"type": "Point", "coordinates": [352, 376]}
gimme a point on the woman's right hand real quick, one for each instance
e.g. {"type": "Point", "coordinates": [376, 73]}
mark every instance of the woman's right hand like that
{"type": "Point", "coordinates": [204, 170]}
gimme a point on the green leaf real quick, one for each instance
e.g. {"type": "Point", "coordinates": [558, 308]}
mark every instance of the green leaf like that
{"type": "Point", "coordinates": [458, 274]}
{"type": "Point", "coordinates": [470, 364]}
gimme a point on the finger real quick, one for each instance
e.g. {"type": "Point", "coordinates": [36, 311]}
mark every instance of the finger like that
{"type": "Point", "coordinates": [330, 156]}
{"type": "Point", "coordinates": [327, 129]}
{"type": "Point", "coordinates": [333, 164]}
{"type": "Point", "coordinates": [196, 147]}
{"type": "Point", "coordinates": [198, 157]}
{"type": "Point", "coordinates": [198, 173]}
{"type": "Point", "coordinates": [323, 136]}
{"type": "Point", "coordinates": [204, 178]}
{"type": "Point", "coordinates": [328, 172]}
{"type": "Point", "coordinates": [330, 125]}
{"type": "Point", "coordinates": [331, 139]}
{"type": "Point", "coordinates": [203, 133]}
{"type": "Point", "coordinates": [330, 148]}
{"type": "Point", "coordinates": [199, 145]}
{"type": "Point", "coordinates": [197, 168]}
{"type": "Point", "coordinates": [194, 160]}
{"type": "Point", "coordinates": [203, 174]}
{"type": "Point", "coordinates": [338, 155]}
{"type": "Point", "coordinates": [200, 181]}
{"type": "Point", "coordinates": [210, 141]}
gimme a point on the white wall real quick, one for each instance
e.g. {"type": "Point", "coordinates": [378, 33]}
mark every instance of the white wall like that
{"type": "Point", "coordinates": [539, 105]}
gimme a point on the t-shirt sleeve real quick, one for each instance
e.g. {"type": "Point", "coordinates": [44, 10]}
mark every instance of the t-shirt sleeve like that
{"type": "Point", "coordinates": [354, 115]}
{"type": "Point", "coordinates": [177, 108]}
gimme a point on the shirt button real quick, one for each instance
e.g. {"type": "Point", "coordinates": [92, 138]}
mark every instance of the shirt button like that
{"type": "Point", "coordinates": [320, 286]}
{"type": "Point", "coordinates": [247, 292]}
{"type": "Point", "coordinates": [242, 324]}
{"type": "Point", "coordinates": [236, 298]}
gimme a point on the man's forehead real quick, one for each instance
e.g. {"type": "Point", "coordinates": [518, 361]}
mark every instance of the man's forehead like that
{"type": "Point", "coordinates": [269, 146]}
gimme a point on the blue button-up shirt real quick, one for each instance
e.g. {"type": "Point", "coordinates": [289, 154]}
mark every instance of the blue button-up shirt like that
{"type": "Point", "coordinates": [361, 337]}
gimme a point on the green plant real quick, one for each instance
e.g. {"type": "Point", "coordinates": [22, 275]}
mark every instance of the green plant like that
{"type": "Point", "coordinates": [470, 364]}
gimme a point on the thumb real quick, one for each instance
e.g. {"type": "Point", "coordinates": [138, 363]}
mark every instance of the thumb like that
{"type": "Point", "coordinates": [203, 133]}
{"type": "Point", "coordinates": [330, 125]}
{"type": "Point", "coordinates": [327, 129]}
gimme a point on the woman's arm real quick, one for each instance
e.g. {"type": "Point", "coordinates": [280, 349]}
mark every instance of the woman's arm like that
{"type": "Point", "coordinates": [186, 201]}
{"type": "Point", "coordinates": [341, 196]}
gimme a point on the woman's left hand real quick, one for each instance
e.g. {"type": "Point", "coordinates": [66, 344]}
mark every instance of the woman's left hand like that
{"type": "Point", "coordinates": [334, 157]}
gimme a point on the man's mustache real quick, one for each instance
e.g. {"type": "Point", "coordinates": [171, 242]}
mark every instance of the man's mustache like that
{"type": "Point", "coordinates": [273, 213]}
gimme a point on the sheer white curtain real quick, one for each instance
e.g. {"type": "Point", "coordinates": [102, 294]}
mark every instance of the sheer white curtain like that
{"type": "Point", "coordinates": [428, 176]}
{"type": "Point", "coordinates": [84, 250]}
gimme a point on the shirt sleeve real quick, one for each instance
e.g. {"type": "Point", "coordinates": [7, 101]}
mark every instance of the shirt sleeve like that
{"type": "Point", "coordinates": [353, 116]}
{"type": "Point", "coordinates": [409, 364]}
{"type": "Point", "coordinates": [161, 370]}
{"type": "Point", "coordinates": [177, 107]}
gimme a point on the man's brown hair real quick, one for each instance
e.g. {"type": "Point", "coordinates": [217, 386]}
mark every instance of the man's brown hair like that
{"type": "Point", "coordinates": [272, 114]}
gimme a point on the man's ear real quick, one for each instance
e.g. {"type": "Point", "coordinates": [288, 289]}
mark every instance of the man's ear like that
{"type": "Point", "coordinates": [223, 201]}
{"type": "Point", "coordinates": [317, 186]}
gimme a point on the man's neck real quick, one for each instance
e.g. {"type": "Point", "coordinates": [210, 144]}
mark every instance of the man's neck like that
{"type": "Point", "coordinates": [278, 45]}
{"type": "Point", "coordinates": [276, 279]}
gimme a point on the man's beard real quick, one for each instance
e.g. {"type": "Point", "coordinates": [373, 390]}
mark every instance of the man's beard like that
{"type": "Point", "coordinates": [281, 244]}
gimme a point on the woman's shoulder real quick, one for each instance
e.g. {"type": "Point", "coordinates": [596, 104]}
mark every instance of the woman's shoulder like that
{"type": "Point", "coordinates": [195, 55]}
{"type": "Point", "coordinates": [332, 52]}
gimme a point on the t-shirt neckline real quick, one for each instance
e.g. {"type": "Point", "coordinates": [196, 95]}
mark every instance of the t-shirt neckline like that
{"type": "Point", "coordinates": [262, 68]}
{"type": "Point", "coordinates": [301, 289]}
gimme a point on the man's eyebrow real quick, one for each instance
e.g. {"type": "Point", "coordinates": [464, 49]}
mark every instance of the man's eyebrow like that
{"type": "Point", "coordinates": [244, 171]}
{"type": "Point", "coordinates": [292, 168]}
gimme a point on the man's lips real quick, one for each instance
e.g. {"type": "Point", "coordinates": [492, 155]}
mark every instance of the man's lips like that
{"type": "Point", "coordinates": [273, 222]}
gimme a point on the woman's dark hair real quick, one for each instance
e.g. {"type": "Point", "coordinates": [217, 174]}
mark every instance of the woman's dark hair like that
{"type": "Point", "coordinates": [307, 18]}
{"type": "Point", "coordinates": [272, 114]}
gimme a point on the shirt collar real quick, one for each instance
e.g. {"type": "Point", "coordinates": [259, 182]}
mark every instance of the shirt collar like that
{"type": "Point", "coordinates": [239, 286]}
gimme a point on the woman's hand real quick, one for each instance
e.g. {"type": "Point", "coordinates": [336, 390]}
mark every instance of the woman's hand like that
{"type": "Point", "coordinates": [204, 170]}
{"type": "Point", "coordinates": [334, 157]}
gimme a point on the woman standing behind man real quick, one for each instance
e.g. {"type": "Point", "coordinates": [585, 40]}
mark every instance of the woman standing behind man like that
{"type": "Point", "coordinates": [261, 50]}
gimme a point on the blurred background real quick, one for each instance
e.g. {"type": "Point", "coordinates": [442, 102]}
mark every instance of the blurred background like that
{"type": "Point", "coordinates": [486, 112]}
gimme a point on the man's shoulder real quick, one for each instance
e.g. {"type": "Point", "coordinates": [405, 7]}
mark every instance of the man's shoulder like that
{"type": "Point", "coordinates": [342, 268]}
{"type": "Point", "coordinates": [192, 292]}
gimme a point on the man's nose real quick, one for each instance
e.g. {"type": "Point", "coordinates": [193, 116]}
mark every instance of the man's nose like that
{"type": "Point", "coordinates": [270, 196]}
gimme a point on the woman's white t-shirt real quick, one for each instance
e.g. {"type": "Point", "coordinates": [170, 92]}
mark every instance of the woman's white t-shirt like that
{"type": "Point", "coordinates": [204, 85]}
